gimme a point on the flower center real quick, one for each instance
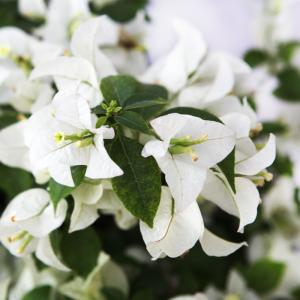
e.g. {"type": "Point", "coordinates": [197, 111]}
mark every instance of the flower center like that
{"type": "Point", "coordinates": [22, 236]}
{"type": "Point", "coordinates": [81, 139]}
{"type": "Point", "coordinates": [232, 297]}
{"type": "Point", "coordinates": [23, 62]}
{"type": "Point", "coordinates": [261, 178]}
{"type": "Point", "coordinates": [185, 145]}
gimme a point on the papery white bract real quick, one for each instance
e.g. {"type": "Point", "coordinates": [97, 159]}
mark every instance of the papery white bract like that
{"type": "Point", "coordinates": [63, 135]}
{"type": "Point", "coordinates": [26, 223]}
{"type": "Point", "coordinates": [189, 147]}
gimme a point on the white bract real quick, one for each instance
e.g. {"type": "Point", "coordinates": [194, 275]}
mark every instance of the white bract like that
{"type": "Point", "coordinates": [189, 146]}
{"type": "Point", "coordinates": [63, 135]}
{"type": "Point", "coordinates": [26, 223]}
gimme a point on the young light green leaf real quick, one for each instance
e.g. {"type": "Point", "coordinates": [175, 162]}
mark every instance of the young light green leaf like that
{"type": "Point", "coordinates": [134, 121]}
{"type": "Point", "coordinates": [139, 188]}
{"type": "Point", "coordinates": [58, 191]}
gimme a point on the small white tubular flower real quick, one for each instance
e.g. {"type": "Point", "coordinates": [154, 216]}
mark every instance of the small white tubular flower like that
{"type": "Point", "coordinates": [243, 204]}
{"type": "Point", "coordinates": [110, 204]}
{"type": "Point", "coordinates": [85, 212]}
{"type": "Point", "coordinates": [173, 70]}
{"type": "Point", "coordinates": [26, 223]}
{"type": "Point", "coordinates": [215, 246]}
{"type": "Point", "coordinates": [173, 233]}
{"type": "Point", "coordinates": [63, 135]}
{"type": "Point", "coordinates": [32, 9]}
{"type": "Point", "coordinates": [189, 147]}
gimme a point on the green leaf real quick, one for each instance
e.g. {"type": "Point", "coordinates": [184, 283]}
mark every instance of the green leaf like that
{"type": "Point", "coordinates": [42, 292]}
{"type": "Point", "coordinates": [80, 250]}
{"type": "Point", "coordinates": [296, 293]}
{"type": "Point", "coordinates": [256, 57]}
{"type": "Point", "coordinates": [129, 92]}
{"type": "Point", "coordinates": [58, 191]}
{"type": "Point", "coordinates": [264, 275]}
{"type": "Point", "coordinates": [143, 295]}
{"type": "Point", "coordinates": [112, 294]}
{"type": "Point", "coordinates": [283, 165]}
{"type": "Point", "coordinates": [14, 181]}
{"type": "Point", "coordinates": [139, 188]}
{"type": "Point", "coordinates": [120, 10]}
{"type": "Point", "coordinates": [134, 121]}
{"type": "Point", "coordinates": [274, 127]}
{"type": "Point", "coordinates": [287, 50]}
{"type": "Point", "coordinates": [289, 85]}
{"type": "Point", "coordinates": [118, 88]}
{"type": "Point", "coordinates": [203, 114]}
{"type": "Point", "coordinates": [146, 104]}
{"type": "Point", "coordinates": [227, 167]}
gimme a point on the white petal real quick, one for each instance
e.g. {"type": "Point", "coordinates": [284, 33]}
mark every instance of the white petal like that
{"type": "Point", "coordinates": [45, 253]}
{"type": "Point", "coordinates": [173, 235]}
{"type": "Point", "coordinates": [61, 174]}
{"type": "Point", "coordinates": [84, 44]}
{"type": "Point", "coordinates": [215, 246]}
{"type": "Point", "coordinates": [155, 149]}
{"type": "Point", "coordinates": [50, 219]}
{"type": "Point", "coordinates": [100, 164]}
{"type": "Point", "coordinates": [13, 151]}
{"type": "Point", "coordinates": [32, 8]}
{"type": "Point", "coordinates": [261, 160]}
{"type": "Point", "coordinates": [25, 206]}
{"type": "Point", "coordinates": [74, 68]}
{"type": "Point", "coordinates": [239, 123]}
{"type": "Point", "coordinates": [185, 179]}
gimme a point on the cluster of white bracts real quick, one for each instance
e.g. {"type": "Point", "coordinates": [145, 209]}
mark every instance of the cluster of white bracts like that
{"type": "Point", "coordinates": [39, 144]}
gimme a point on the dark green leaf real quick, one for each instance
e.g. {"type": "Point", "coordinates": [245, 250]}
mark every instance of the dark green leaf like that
{"type": "Point", "coordinates": [146, 104]}
{"type": "Point", "coordinates": [139, 187]}
{"type": "Point", "coordinates": [203, 114]}
{"type": "Point", "coordinates": [129, 92]}
{"type": "Point", "coordinates": [289, 85]}
{"type": "Point", "coordinates": [296, 293]}
{"type": "Point", "coordinates": [134, 121]}
{"type": "Point", "coordinates": [287, 50]}
{"type": "Point", "coordinates": [118, 88]}
{"type": "Point", "coordinates": [14, 181]}
{"type": "Point", "coordinates": [58, 191]}
{"type": "Point", "coordinates": [143, 295]}
{"type": "Point", "coordinates": [274, 127]}
{"type": "Point", "coordinates": [120, 10]}
{"type": "Point", "coordinates": [112, 294]}
{"type": "Point", "coordinates": [42, 292]}
{"type": "Point", "coordinates": [256, 57]}
{"type": "Point", "coordinates": [264, 275]}
{"type": "Point", "coordinates": [80, 250]}
{"type": "Point", "coordinates": [283, 165]}
{"type": "Point", "coordinates": [227, 167]}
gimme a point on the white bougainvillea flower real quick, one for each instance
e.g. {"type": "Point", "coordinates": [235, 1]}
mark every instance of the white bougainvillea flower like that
{"type": "Point", "coordinates": [214, 79]}
{"type": "Point", "coordinates": [173, 70]}
{"type": "Point", "coordinates": [189, 146]}
{"type": "Point", "coordinates": [173, 233]}
{"type": "Point", "coordinates": [26, 223]}
{"type": "Point", "coordinates": [124, 44]}
{"type": "Point", "coordinates": [105, 274]}
{"type": "Point", "coordinates": [85, 212]}
{"type": "Point", "coordinates": [248, 162]}
{"type": "Point", "coordinates": [19, 53]}
{"type": "Point", "coordinates": [62, 19]}
{"type": "Point", "coordinates": [63, 134]}
{"type": "Point", "coordinates": [236, 289]}
{"type": "Point", "coordinates": [110, 204]}
{"type": "Point", "coordinates": [32, 9]}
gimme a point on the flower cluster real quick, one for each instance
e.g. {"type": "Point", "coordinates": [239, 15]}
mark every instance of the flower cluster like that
{"type": "Point", "coordinates": [104, 131]}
